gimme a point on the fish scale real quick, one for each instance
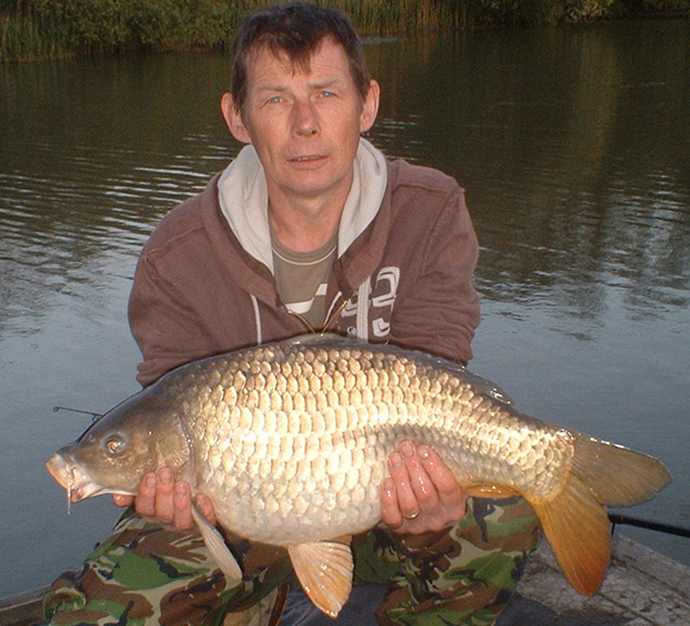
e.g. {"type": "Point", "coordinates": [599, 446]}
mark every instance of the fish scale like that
{"type": "Point", "coordinates": [290, 440]}
{"type": "Point", "coordinates": [307, 416]}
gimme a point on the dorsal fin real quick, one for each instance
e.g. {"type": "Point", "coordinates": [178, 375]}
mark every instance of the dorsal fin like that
{"type": "Point", "coordinates": [315, 339]}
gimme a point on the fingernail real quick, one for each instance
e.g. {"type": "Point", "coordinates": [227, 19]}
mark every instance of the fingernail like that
{"type": "Point", "coordinates": [407, 448]}
{"type": "Point", "coordinates": [424, 452]}
{"type": "Point", "coordinates": [165, 475]}
{"type": "Point", "coordinates": [151, 481]}
{"type": "Point", "coordinates": [395, 460]}
{"type": "Point", "coordinates": [180, 489]}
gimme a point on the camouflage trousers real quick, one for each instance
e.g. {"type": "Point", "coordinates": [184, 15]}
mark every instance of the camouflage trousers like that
{"type": "Point", "coordinates": [145, 574]}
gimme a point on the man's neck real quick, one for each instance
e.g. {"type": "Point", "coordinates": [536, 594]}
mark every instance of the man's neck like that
{"type": "Point", "coordinates": [306, 224]}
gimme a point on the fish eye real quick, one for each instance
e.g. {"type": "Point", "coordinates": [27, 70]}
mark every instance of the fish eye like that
{"type": "Point", "coordinates": [115, 445]}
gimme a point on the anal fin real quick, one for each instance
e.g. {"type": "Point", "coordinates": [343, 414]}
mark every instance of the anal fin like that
{"type": "Point", "coordinates": [325, 571]}
{"type": "Point", "coordinates": [218, 549]}
{"type": "Point", "coordinates": [490, 491]}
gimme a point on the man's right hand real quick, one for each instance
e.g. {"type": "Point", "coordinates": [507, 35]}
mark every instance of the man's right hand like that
{"type": "Point", "coordinates": [161, 498]}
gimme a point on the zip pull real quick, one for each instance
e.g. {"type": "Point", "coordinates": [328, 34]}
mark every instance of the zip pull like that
{"type": "Point", "coordinates": [334, 312]}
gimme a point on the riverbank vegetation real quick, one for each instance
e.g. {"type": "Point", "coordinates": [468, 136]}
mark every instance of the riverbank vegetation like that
{"type": "Point", "coordinates": [34, 29]}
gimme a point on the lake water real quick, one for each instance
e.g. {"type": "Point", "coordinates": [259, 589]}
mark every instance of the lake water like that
{"type": "Point", "coordinates": [573, 145]}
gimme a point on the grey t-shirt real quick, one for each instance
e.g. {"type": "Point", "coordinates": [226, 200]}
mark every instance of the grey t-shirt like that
{"type": "Point", "coordinates": [302, 278]}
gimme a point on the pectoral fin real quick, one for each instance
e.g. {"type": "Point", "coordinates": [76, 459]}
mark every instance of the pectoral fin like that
{"type": "Point", "coordinates": [218, 549]}
{"type": "Point", "coordinates": [325, 571]}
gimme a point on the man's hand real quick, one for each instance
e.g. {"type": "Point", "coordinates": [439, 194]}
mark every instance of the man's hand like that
{"type": "Point", "coordinates": [168, 502]}
{"type": "Point", "coordinates": [421, 494]}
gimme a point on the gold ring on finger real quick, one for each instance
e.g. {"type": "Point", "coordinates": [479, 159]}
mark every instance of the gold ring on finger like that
{"type": "Point", "coordinates": [411, 516]}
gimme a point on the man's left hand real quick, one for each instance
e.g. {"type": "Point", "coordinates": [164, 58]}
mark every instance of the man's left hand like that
{"type": "Point", "coordinates": [421, 494]}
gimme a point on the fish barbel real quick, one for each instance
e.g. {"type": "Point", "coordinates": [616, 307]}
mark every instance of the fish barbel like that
{"type": "Point", "coordinates": [290, 441]}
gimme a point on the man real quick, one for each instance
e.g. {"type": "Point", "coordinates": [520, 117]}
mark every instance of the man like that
{"type": "Point", "coordinates": [309, 228]}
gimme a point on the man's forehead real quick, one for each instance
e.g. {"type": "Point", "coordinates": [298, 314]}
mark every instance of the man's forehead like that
{"type": "Point", "coordinates": [266, 62]}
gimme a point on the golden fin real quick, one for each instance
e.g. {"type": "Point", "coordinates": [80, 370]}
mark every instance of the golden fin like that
{"type": "Point", "coordinates": [491, 491]}
{"type": "Point", "coordinates": [218, 549]}
{"type": "Point", "coordinates": [576, 522]}
{"type": "Point", "coordinates": [325, 571]}
{"type": "Point", "coordinates": [578, 529]}
{"type": "Point", "coordinates": [616, 475]}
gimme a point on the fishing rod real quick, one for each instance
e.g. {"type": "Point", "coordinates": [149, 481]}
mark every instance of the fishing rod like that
{"type": "Point", "coordinates": [93, 414]}
{"type": "Point", "coordinates": [619, 518]}
{"type": "Point", "coordinates": [119, 275]}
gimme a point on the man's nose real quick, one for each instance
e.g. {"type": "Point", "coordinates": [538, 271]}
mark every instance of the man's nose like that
{"type": "Point", "coordinates": [306, 120]}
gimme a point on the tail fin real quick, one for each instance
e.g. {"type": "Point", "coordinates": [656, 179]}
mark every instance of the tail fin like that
{"type": "Point", "coordinates": [575, 522]}
{"type": "Point", "coordinates": [616, 475]}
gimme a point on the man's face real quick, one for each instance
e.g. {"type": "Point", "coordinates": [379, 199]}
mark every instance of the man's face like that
{"type": "Point", "coordinates": [305, 127]}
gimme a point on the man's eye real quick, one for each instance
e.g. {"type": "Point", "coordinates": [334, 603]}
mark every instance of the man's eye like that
{"type": "Point", "coordinates": [274, 100]}
{"type": "Point", "coordinates": [327, 94]}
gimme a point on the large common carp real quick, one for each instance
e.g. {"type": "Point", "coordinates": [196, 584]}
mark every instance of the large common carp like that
{"type": "Point", "coordinates": [290, 441]}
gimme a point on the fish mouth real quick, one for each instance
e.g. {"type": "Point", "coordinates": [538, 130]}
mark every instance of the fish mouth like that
{"type": "Point", "coordinates": [57, 467]}
{"type": "Point", "coordinates": [70, 477]}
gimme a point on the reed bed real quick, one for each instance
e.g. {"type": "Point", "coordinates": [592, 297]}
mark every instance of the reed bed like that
{"type": "Point", "coordinates": [35, 29]}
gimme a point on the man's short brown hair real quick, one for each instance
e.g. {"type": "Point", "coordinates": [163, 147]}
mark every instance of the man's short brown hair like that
{"type": "Point", "coordinates": [295, 30]}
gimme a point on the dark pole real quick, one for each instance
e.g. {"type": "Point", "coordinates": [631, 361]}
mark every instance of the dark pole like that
{"type": "Point", "coordinates": [618, 518]}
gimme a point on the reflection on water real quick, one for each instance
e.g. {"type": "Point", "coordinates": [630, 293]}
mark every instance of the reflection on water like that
{"type": "Point", "coordinates": [574, 147]}
{"type": "Point", "coordinates": [92, 156]}
{"type": "Point", "coordinates": [572, 144]}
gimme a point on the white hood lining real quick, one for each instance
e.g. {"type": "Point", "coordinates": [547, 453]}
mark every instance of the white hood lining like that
{"type": "Point", "coordinates": [243, 198]}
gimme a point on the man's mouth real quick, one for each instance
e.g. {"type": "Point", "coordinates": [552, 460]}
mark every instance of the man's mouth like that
{"type": "Point", "coordinates": [306, 158]}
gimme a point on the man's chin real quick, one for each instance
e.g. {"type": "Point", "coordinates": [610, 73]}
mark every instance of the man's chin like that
{"type": "Point", "coordinates": [315, 183]}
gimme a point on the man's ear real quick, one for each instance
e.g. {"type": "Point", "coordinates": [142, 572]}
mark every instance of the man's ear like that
{"type": "Point", "coordinates": [233, 119]}
{"type": "Point", "coordinates": [370, 108]}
